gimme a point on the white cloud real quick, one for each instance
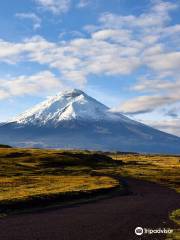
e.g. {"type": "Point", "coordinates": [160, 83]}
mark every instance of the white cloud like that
{"type": "Point", "coordinates": [160, 94]}
{"type": "Point", "coordinates": [165, 61]}
{"type": "Point", "coordinates": [14, 52]}
{"type": "Point", "coordinates": [71, 34]}
{"type": "Point", "coordinates": [118, 45]}
{"type": "Point", "coordinates": [118, 36]}
{"type": "Point", "coordinates": [174, 112]}
{"type": "Point", "coordinates": [9, 52]}
{"type": "Point", "coordinates": [31, 16]}
{"type": "Point", "coordinates": [83, 56]}
{"type": "Point", "coordinates": [83, 3]}
{"type": "Point", "coordinates": [116, 48]}
{"type": "Point", "coordinates": [55, 6]}
{"type": "Point", "coordinates": [145, 104]}
{"type": "Point", "coordinates": [158, 85]}
{"type": "Point", "coordinates": [3, 94]}
{"type": "Point", "coordinates": [171, 126]}
{"type": "Point", "coordinates": [158, 15]}
{"type": "Point", "coordinates": [42, 83]}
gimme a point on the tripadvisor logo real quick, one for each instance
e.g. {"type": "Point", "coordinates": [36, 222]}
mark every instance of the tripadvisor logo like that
{"type": "Point", "coordinates": [139, 231]}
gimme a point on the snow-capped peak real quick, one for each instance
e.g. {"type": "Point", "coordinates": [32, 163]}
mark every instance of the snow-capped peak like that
{"type": "Point", "coordinates": [69, 105]}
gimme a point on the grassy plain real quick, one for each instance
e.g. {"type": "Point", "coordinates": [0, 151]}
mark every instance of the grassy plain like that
{"type": "Point", "coordinates": [27, 174]}
{"type": "Point", "coordinates": [162, 169]}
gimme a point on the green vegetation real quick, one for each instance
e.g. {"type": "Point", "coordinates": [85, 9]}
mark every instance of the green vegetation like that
{"type": "Point", "coordinates": [4, 146]}
{"type": "Point", "coordinates": [175, 217]}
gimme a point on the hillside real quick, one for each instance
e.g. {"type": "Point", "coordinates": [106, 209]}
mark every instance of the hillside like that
{"type": "Point", "coordinates": [74, 120]}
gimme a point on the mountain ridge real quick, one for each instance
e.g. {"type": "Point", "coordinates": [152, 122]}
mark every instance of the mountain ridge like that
{"type": "Point", "coordinates": [74, 120]}
{"type": "Point", "coordinates": [69, 105]}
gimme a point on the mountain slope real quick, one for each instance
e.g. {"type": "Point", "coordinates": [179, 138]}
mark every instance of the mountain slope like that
{"type": "Point", "coordinates": [70, 105]}
{"type": "Point", "coordinates": [75, 120]}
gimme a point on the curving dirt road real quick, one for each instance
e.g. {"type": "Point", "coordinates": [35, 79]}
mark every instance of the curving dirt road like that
{"type": "Point", "coordinates": [109, 219]}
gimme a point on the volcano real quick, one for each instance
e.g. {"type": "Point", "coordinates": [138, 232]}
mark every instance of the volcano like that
{"type": "Point", "coordinates": [74, 120]}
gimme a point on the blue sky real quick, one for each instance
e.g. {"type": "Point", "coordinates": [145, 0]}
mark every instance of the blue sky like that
{"type": "Point", "coordinates": [125, 53]}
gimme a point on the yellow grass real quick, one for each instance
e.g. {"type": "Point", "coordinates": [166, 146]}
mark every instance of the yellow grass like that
{"type": "Point", "coordinates": [34, 173]}
{"type": "Point", "coordinates": [175, 217]}
{"type": "Point", "coordinates": [22, 188]}
{"type": "Point", "coordinates": [29, 173]}
{"type": "Point", "coordinates": [157, 168]}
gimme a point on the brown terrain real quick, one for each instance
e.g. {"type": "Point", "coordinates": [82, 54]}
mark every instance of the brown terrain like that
{"type": "Point", "coordinates": [115, 218]}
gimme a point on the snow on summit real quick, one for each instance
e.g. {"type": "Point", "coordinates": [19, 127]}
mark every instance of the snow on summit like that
{"type": "Point", "coordinates": [69, 105]}
{"type": "Point", "coordinates": [75, 120]}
